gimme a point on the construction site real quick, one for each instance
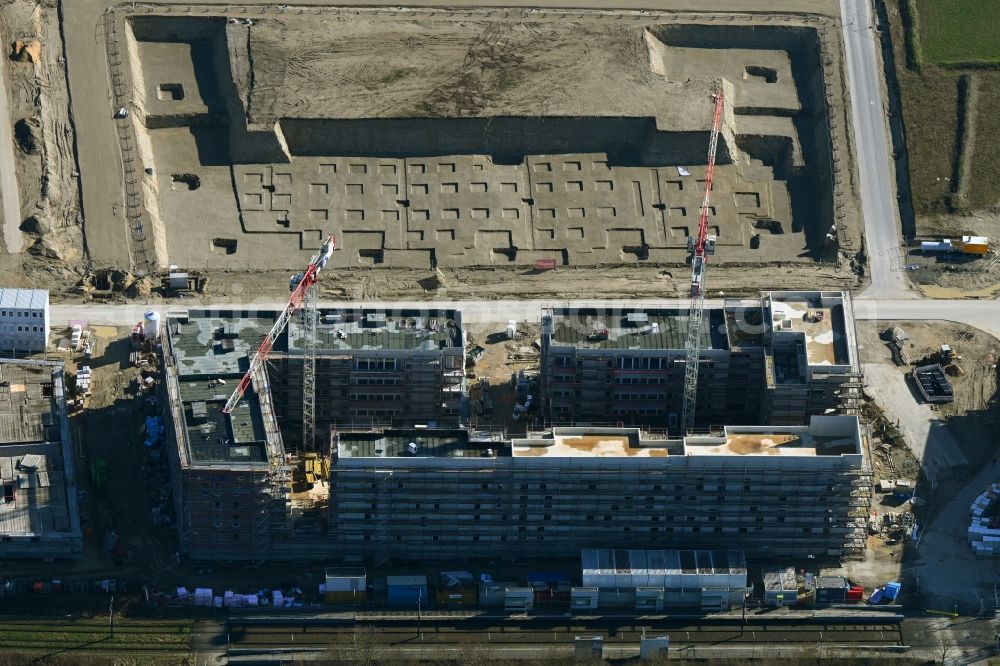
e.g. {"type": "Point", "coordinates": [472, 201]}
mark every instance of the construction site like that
{"type": "Point", "coordinates": [39, 516]}
{"type": "Point", "coordinates": [433, 147]}
{"type": "Point", "coordinates": [320, 434]}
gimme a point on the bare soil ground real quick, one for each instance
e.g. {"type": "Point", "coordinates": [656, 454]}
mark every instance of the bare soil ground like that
{"type": "Point", "coordinates": [908, 438]}
{"type": "Point", "coordinates": [375, 68]}
{"type": "Point", "coordinates": [51, 221]}
{"type": "Point", "coordinates": [427, 66]}
{"type": "Point", "coordinates": [502, 359]}
{"type": "Point", "coordinates": [975, 414]}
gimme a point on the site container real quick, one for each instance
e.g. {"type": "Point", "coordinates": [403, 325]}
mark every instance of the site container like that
{"type": "Point", "coordinates": [550, 587]}
{"type": "Point", "coordinates": [492, 593]}
{"type": "Point", "coordinates": [975, 245]}
{"type": "Point", "coordinates": [456, 589]}
{"type": "Point", "coordinates": [408, 591]}
{"type": "Point", "coordinates": [831, 590]}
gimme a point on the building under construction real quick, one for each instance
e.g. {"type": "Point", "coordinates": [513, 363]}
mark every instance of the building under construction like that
{"type": "Point", "coordinates": [231, 473]}
{"type": "Point", "coordinates": [401, 367]}
{"type": "Point", "coordinates": [39, 516]}
{"type": "Point", "coordinates": [230, 480]}
{"type": "Point", "coordinates": [774, 360]}
{"type": "Point", "coordinates": [772, 491]}
{"type": "Point", "coordinates": [785, 476]}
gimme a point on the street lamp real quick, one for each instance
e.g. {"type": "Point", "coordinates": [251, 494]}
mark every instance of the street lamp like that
{"type": "Point", "coordinates": [420, 598]}
{"type": "Point", "coordinates": [111, 615]}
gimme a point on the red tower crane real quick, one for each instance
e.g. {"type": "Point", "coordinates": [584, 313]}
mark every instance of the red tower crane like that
{"type": "Point", "coordinates": [300, 286]}
{"type": "Point", "coordinates": [703, 246]}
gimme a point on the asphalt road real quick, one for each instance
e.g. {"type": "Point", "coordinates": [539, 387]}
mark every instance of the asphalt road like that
{"type": "Point", "coordinates": [9, 195]}
{"type": "Point", "coordinates": [984, 314]}
{"type": "Point", "coordinates": [871, 144]}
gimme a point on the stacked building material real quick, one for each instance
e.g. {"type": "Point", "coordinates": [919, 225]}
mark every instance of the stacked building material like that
{"type": "Point", "coordinates": [984, 529]}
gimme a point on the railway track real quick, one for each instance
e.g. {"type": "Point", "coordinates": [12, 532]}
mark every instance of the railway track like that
{"type": "Point", "coordinates": [256, 636]}
{"type": "Point", "coordinates": [137, 638]}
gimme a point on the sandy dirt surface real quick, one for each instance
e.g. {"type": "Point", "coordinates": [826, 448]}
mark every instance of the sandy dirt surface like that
{"type": "Point", "coordinates": [49, 224]}
{"type": "Point", "coordinates": [508, 67]}
{"type": "Point", "coordinates": [376, 68]}
{"type": "Point", "coordinates": [946, 436]}
{"type": "Point", "coordinates": [947, 451]}
{"type": "Point", "coordinates": [502, 358]}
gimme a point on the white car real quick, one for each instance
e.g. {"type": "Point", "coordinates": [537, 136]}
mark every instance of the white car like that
{"type": "Point", "coordinates": [122, 112]}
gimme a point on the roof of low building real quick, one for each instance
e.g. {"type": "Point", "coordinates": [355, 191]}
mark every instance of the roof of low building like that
{"type": "Point", "coordinates": [28, 299]}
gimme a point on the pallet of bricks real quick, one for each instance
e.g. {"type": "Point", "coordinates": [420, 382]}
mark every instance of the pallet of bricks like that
{"type": "Point", "coordinates": [984, 529]}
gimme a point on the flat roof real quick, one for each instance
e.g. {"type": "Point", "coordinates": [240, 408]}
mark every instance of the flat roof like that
{"type": "Point", "coordinates": [238, 437]}
{"type": "Point", "coordinates": [28, 411]}
{"type": "Point", "coordinates": [40, 503]}
{"type": "Point", "coordinates": [819, 318]}
{"type": "Point", "coordinates": [211, 352]}
{"type": "Point", "coordinates": [780, 580]}
{"type": "Point", "coordinates": [592, 443]}
{"type": "Point", "coordinates": [375, 329]}
{"type": "Point", "coordinates": [609, 561]}
{"type": "Point", "coordinates": [800, 441]}
{"type": "Point", "coordinates": [217, 345]}
{"type": "Point", "coordinates": [39, 499]}
{"type": "Point", "coordinates": [430, 443]}
{"type": "Point", "coordinates": [745, 326]}
{"type": "Point", "coordinates": [29, 299]}
{"type": "Point", "coordinates": [650, 328]}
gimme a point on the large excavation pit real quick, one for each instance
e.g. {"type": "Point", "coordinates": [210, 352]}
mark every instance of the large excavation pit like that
{"type": "Point", "coordinates": [423, 142]}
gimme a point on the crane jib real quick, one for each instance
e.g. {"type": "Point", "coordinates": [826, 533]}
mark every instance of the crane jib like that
{"type": "Point", "coordinates": [309, 278]}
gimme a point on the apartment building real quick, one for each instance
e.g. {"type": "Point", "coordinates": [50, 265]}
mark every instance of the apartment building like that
{"type": "Point", "coordinates": [811, 354]}
{"type": "Point", "coordinates": [774, 360]}
{"type": "Point", "coordinates": [24, 320]}
{"type": "Point", "coordinates": [785, 491]}
{"type": "Point", "coordinates": [230, 472]}
{"type": "Point", "coordinates": [401, 367]}
{"type": "Point", "coordinates": [230, 483]}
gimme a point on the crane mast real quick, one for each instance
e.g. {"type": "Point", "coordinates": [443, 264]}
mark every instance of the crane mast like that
{"type": "Point", "coordinates": [300, 285]}
{"type": "Point", "coordinates": [704, 246]}
{"type": "Point", "coordinates": [310, 315]}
